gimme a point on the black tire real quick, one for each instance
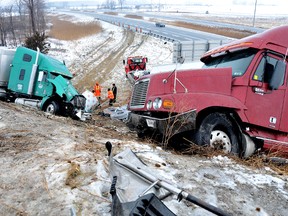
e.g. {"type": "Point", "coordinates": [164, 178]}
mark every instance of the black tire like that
{"type": "Point", "coordinates": [218, 131]}
{"type": "Point", "coordinates": [52, 108]}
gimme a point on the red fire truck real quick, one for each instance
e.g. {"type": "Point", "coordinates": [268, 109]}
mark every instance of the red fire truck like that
{"type": "Point", "coordinates": [238, 101]}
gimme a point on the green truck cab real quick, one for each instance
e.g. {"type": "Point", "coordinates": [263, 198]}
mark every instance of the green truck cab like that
{"type": "Point", "coordinates": [36, 79]}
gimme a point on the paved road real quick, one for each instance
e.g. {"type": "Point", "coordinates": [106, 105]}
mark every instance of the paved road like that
{"type": "Point", "coordinates": [171, 33]}
{"type": "Point", "coordinates": [202, 22]}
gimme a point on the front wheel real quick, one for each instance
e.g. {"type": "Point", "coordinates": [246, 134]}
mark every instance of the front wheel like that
{"type": "Point", "coordinates": [52, 108]}
{"type": "Point", "coordinates": [219, 132]}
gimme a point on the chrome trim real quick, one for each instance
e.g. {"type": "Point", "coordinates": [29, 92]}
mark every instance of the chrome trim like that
{"type": "Point", "coordinates": [272, 140]}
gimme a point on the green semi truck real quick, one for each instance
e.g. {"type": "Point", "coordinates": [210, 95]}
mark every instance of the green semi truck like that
{"type": "Point", "coordinates": [31, 78]}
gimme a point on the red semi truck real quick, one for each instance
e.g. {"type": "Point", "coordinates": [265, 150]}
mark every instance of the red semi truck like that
{"type": "Point", "coordinates": [238, 101]}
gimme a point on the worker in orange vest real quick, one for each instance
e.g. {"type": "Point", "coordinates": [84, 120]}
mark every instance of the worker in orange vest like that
{"type": "Point", "coordinates": [97, 91]}
{"type": "Point", "coordinates": [110, 97]}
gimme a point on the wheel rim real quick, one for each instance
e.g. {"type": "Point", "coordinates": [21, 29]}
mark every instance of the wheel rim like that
{"type": "Point", "coordinates": [220, 140]}
{"type": "Point", "coordinates": [50, 109]}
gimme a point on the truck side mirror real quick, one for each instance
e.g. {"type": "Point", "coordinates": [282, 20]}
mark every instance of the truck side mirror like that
{"type": "Point", "coordinates": [146, 59]}
{"type": "Point", "coordinates": [278, 75]}
{"type": "Point", "coordinates": [123, 61]}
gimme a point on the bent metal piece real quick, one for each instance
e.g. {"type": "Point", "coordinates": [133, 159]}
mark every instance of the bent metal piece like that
{"type": "Point", "coordinates": [135, 180]}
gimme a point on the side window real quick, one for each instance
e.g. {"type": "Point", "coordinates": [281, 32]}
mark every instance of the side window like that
{"type": "Point", "coordinates": [27, 58]}
{"type": "Point", "coordinates": [265, 69]}
{"type": "Point", "coordinates": [22, 74]}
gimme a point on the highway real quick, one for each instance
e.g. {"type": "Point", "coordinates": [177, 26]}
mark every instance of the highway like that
{"type": "Point", "coordinates": [201, 22]}
{"type": "Point", "coordinates": [170, 33]}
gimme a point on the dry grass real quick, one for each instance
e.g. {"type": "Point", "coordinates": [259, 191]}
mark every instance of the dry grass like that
{"type": "Point", "coordinates": [67, 30]}
{"type": "Point", "coordinates": [220, 31]}
{"type": "Point", "coordinates": [73, 172]}
{"type": "Point", "coordinates": [133, 16]}
{"type": "Point", "coordinates": [111, 13]}
{"type": "Point", "coordinates": [256, 161]}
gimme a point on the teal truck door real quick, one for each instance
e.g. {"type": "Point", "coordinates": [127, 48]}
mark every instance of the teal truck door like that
{"type": "Point", "coordinates": [42, 86]}
{"type": "Point", "coordinates": [264, 105]}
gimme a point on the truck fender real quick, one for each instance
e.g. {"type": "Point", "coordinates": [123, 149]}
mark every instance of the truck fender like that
{"type": "Point", "coordinates": [43, 102]}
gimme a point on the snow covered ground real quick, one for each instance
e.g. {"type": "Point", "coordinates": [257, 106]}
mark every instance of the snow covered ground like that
{"type": "Point", "coordinates": [59, 166]}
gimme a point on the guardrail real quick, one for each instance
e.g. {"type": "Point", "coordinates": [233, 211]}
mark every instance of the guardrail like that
{"type": "Point", "coordinates": [193, 50]}
{"type": "Point", "coordinates": [182, 50]}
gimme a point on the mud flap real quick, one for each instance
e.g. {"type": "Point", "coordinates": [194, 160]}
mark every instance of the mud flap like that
{"type": "Point", "coordinates": [249, 146]}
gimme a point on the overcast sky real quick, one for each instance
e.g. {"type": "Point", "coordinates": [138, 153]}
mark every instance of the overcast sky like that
{"type": "Point", "coordinates": [211, 2]}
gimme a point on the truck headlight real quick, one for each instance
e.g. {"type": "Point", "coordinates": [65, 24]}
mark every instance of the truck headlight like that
{"type": "Point", "coordinates": [149, 105]}
{"type": "Point", "coordinates": [157, 103]}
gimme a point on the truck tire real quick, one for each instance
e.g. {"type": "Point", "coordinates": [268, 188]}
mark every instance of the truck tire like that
{"type": "Point", "coordinates": [219, 132]}
{"type": "Point", "coordinates": [52, 108]}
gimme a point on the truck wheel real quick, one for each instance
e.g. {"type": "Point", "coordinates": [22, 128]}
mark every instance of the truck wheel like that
{"type": "Point", "coordinates": [217, 131]}
{"type": "Point", "coordinates": [52, 108]}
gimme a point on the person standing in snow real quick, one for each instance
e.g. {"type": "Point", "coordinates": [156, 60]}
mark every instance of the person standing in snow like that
{"type": "Point", "coordinates": [114, 90]}
{"type": "Point", "coordinates": [110, 97]}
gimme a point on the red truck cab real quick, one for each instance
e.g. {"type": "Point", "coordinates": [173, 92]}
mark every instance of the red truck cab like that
{"type": "Point", "coordinates": [237, 102]}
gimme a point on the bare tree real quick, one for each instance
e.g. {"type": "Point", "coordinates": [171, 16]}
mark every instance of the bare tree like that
{"type": "Point", "coordinates": [111, 4]}
{"type": "Point", "coordinates": [3, 26]}
{"type": "Point", "coordinates": [121, 2]}
{"type": "Point", "coordinates": [41, 23]}
{"type": "Point", "coordinates": [31, 10]}
{"type": "Point", "coordinates": [35, 10]}
{"type": "Point", "coordinates": [11, 24]}
{"type": "Point", "coordinates": [21, 21]}
{"type": "Point", "coordinates": [20, 8]}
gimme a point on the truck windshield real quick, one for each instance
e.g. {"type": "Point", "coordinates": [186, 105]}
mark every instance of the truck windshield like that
{"type": "Point", "coordinates": [137, 60]}
{"type": "Point", "coordinates": [239, 61]}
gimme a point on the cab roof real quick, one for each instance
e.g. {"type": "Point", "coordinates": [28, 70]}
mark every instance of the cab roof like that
{"type": "Point", "coordinates": [275, 39]}
{"type": "Point", "coordinates": [46, 62]}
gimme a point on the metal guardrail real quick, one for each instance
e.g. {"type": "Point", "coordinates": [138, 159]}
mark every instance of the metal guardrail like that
{"type": "Point", "coordinates": [193, 50]}
{"type": "Point", "coordinates": [188, 50]}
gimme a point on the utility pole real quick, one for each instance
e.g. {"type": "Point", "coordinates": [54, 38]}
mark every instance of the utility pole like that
{"type": "Point", "coordinates": [254, 13]}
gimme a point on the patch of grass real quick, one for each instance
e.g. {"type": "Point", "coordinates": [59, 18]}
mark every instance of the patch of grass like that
{"type": "Point", "coordinates": [219, 31]}
{"type": "Point", "coordinates": [227, 32]}
{"type": "Point", "coordinates": [133, 16]}
{"type": "Point", "coordinates": [111, 13]}
{"type": "Point", "coordinates": [259, 160]}
{"type": "Point", "coordinates": [67, 30]}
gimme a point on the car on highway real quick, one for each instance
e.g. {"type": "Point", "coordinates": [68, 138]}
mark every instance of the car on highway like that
{"type": "Point", "coordinates": [158, 24]}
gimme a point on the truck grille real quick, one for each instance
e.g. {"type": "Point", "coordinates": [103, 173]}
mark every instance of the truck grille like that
{"type": "Point", "coordinates": [139, 94]}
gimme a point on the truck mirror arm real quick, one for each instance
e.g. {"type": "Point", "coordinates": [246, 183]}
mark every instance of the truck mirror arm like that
{"type": "Point", "coordinates": [175, 81]}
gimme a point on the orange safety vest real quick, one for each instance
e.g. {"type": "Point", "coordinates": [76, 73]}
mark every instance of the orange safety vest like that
{"type": "Point", "coordinates": [110, 95]}
{"type": "Point", "coordinates": [97, 90]}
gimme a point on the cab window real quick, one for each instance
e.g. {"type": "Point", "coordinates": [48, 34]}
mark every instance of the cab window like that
{"type": "Point", "coordinates": [265, 69]}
